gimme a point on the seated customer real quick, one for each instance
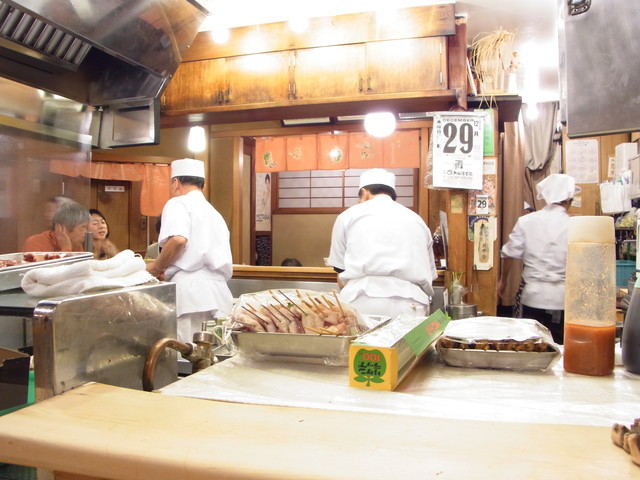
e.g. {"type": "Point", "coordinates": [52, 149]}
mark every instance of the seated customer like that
{"type": "Point", "coordinates": [70, 223]}
{"type": "Point", "coordinates": [103, 248]}
{"type": "Point", "coordinates": [291, 262]}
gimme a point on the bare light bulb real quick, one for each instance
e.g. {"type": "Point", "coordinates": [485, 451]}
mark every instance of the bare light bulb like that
{"type": "Point", "coordinates": [197, 140]}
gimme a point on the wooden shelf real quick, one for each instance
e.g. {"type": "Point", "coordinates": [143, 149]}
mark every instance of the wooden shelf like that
{"type": "Point", "coordinates": [508, 105]}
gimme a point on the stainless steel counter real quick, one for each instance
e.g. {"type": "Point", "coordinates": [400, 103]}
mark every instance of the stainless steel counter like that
{"type": "Point", "coordinates": [17, 303]}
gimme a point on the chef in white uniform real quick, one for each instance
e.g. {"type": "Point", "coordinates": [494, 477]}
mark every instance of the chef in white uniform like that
{"type": "Point", "coordinates": [540, 240]}
{"type": "Point", "coordinates": [195, 251]}
{"type": "Point", "coordinates": [383, 252]}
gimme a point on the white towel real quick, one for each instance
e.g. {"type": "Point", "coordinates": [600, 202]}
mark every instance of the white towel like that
{"type": "Point", "coordinates": [123, 270]}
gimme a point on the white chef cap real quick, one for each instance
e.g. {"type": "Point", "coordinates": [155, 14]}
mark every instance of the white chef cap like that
{"type": "Point", "coordinates": [377, 176]}
{"type": "Point", "coordinates": [556, 188]}
{"type": "Point", "coordinates": [187, 167]}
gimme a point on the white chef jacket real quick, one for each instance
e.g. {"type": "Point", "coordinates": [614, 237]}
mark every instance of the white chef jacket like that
{"type": "Point", "coordinates": [540, 239]}
{"type": "Point", "coordinates": [385, 250]}
{"type": "Point", "coordinates": [202, 271]}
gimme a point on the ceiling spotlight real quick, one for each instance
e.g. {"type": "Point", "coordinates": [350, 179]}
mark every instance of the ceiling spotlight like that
{"type": "Point", "coordinates": [380, 124]}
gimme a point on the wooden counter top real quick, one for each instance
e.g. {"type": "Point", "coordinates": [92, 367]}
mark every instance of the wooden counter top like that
{"type": "Point", "coordinates": [322, 274]}
{"type": "Point", "coordinates": [310, 274]}
{"type": "Point", "coordinates": [99, 431]}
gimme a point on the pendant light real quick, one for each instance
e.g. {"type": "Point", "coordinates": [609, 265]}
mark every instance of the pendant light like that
{"type": "Point", "coordinates": [197, 140]}
{"type": "Point", "coordinates": [380, 124]}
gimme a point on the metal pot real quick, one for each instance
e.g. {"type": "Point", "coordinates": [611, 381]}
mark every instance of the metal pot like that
{"type": "Point", "coordinates": [462, 310]}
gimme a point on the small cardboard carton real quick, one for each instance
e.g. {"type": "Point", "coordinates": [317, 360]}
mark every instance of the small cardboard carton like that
{"type": "Point", "coordinates": [14, 378]}
{"type": "Point", "coordinates": [381, 359]}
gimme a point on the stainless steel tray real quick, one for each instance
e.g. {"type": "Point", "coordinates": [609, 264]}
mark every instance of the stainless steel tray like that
{"type": "Point", "coordinates": [298, 347]}
{"type": "Point", "coordinates": [500, 359]}
{"type": "Point", "coordinates": [11, 277]}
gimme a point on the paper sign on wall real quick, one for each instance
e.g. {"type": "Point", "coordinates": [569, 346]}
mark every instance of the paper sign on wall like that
{"type": "Point", "coordinates": [263, 202]}
{"type": "Point", "coordinates": [582, 158]}
{"type": "Point", "coordinates": [482, 231]}
{"type": "Point", "coordinates": [482, 204]}
{"type": "Point", "coordinates": [458, 149]}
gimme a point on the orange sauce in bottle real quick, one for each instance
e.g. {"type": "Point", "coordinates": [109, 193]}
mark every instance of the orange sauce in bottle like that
{"type": "Point", "coordinates": [589, 350]}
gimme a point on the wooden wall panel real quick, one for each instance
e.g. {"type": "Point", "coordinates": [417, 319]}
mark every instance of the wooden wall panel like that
{"type": "Point", "coordinates": [589, 202]}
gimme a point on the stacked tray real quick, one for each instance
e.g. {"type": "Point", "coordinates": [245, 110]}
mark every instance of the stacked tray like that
{"type": "Point", "coordinates": [11, 277]}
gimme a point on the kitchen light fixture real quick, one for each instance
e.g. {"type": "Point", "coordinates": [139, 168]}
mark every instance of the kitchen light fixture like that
{"type": "Point", "coordinates": [197, 140]}
{"type": "Point", "coordinates": [350, 118]}
{"type": "Point", "coordinates": [414, 115]}
{"type": "Point", "coordinates": [306, 121]}
{"type": "Point", "coordinates": [380, 124]}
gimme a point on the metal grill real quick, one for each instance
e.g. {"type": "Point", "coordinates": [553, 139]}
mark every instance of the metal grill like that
{"type": "Point", "coordinates": [28, 31]}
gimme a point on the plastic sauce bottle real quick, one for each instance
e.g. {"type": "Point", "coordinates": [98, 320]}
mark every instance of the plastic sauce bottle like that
{"type": "Point", "coordinates": [631, 333]}
{"type": "Point", "coordinates": [590, 296]}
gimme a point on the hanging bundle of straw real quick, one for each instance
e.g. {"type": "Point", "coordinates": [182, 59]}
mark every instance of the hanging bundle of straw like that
{"type": "Point", "coordinates": [490, 58]}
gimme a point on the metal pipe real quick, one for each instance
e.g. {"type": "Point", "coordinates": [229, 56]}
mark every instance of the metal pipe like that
{"type": "Point", "coordinates": [200, 353]}
{"type": "Point", "coordinates": [152, 357]}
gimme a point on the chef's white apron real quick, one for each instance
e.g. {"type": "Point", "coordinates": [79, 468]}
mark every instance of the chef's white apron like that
{"type": "Point", "coordinates": [201, 292]}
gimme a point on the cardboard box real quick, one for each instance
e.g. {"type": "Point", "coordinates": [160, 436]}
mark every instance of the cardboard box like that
{"type": "Point", "coordinates": [381, 359]}
{"type": "Point", "coordinates": [14, 378]}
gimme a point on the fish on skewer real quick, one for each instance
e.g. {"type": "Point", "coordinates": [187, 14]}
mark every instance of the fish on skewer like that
{"type": "Point", "coordinates": [300, 312]}
{"type": "Point", "coordinates": [271, 325]}
{"type": "Point", "coordinates": [290, 300]}
{"type": "Point", "coordinates": [254, 321]}
{"type": "Point", "coordinates": [298, 316]}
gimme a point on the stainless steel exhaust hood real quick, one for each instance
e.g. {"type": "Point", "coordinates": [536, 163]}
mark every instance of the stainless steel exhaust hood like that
{"type": "Point", "coordinates": [108, 54]}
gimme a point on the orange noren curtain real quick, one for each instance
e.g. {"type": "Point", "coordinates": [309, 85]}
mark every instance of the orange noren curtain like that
{"type": "Point", "coordinates": [302, 153]}
{"type": "Point", "coordinates": [333, 152]}
{"type": "Point", "coordinates": [155, 178]}
{"type": "Point", "coordinates": [271, 155]}
{"type": "Point", "coordinates": [337, 151]}
{"type": "Point", "coordinates": [402, 149]}
{"type": "Point", "coordinates": [69, 168]}
{"type": "Point", "coordinates": [155, 189]}
{"type": "Point", "coordinates": [365, 151]}
{"type": "Point", "coordinates": [117, 171]}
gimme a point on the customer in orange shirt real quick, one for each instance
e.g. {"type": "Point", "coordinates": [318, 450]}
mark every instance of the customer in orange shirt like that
{"type": "Point", "coordinates": [70, 224]}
